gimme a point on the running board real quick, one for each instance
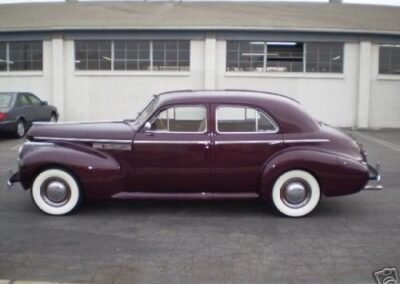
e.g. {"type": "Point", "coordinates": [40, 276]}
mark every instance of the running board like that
{"type": "Point", "coordinates": [185, 196]}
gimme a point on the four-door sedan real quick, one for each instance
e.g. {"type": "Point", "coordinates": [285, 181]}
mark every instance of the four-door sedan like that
{"type": "Point", "coordinates": [19, 110]}
{"type": "Point", "coordinates": [196, 145]}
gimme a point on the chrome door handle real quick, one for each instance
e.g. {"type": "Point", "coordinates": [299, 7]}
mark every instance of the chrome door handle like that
{"type": "Point", "coordinates": [207, 145]}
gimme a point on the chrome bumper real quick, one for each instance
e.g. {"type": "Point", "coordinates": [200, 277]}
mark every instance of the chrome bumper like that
{"type": "Point", "coordinates": [374, 178]}
{"type": "Point", "coordinates": [13, 178]}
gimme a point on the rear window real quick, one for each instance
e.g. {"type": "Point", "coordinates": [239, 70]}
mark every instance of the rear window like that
{"type": "Point", "coordinates": [5, 100]}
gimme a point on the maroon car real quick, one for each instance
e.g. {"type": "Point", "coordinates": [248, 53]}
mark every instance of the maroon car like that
{"type": "Point", "coordinates": [196, 145]}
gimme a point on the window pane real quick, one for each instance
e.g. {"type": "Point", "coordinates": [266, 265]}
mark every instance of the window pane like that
{"type": "Point", "coordinates": [171, 55]}
{"type": "Point", "coordinates": [389, 59]}
{"type": "Point", "coordinates": [284, 57]}
{"type": "Point", "coordinates": [181, 119]}
{"type": "Point", "coordinates": [132, 55]}
{"type": "Point", "coordinates": [22, 100]}
{"type": "Point", "coordinates": [243, 119]}
{"type": "Point", "coordinates": [3, 56]}
{"type": "Point", "coordinates": [93, 55]}
{"type": "Point", "coordinates": [324, 57]}
{"type": "Point", "coordinates": [34, 100]}
{"type": "Point", "coordinates": [5, 100]}
{"type": "Point", "coordinates": [25, 55]}
{"type": "Point", "coordinates": [245, 56]}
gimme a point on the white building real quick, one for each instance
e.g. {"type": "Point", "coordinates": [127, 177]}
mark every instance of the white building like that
{"type": "Point", "coordinates": [104, 60]}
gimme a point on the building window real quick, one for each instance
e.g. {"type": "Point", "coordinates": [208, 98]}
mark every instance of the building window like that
{"type": "Point", "coordinates": [132, 55]}
{"type": "Point", "coordinates": [93, 55]}
{"type": "Point", "coordinates": [389, 59]}
{"type": "Point", "coordinates": [137, 55]}
{"type": "Point", "coordinates": [21, 56]}
{"type": "Point", "coordinates": [171, 55]}
{"type": "Point", "coordinates": [264, 56]}
{"type": "Point", "coordinates": [324, 57]}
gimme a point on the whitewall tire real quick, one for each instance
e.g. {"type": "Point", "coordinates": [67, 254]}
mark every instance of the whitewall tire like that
{"type": "Point", "coordinates": [56, 192]}
{"type": "Point", "coordinates": [296, 193]}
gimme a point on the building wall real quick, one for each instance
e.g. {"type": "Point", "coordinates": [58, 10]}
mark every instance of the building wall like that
{"type": "Point", "coordinates": [338, 99]}
{"type": "Point", "coordinates": [385, 96]}
{"type": "Point", "coordinates": [329, 97]}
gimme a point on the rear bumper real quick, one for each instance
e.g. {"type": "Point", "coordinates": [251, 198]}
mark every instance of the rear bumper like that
{"type": "Point", "coordinates": [374, 182]}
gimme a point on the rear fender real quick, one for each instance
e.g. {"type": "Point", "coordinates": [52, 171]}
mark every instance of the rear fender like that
{"type": "Point", "coordinates": [335, 175]}
{"type": "Point", "coordinates": [99, 174]}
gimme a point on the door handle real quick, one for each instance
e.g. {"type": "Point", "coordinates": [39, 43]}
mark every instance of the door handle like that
{"type": "Point", "coordinates": [207, 145]}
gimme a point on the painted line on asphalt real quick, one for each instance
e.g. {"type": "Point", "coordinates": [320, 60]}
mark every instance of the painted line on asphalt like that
{"type": "Point", "coordinates": [379, 141]}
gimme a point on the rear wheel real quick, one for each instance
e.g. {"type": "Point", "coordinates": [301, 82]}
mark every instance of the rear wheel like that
{"type": "Point", "coordinates": [20, 128]}
{"type": "Point", "coordinates": [296, 193]}
{"type": "Point", "coordinates": [56, 192]}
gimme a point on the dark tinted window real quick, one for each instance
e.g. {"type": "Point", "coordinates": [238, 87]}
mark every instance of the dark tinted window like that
{"type": "Point", "coordinates": [5, 100]}
{"type": "Point", "coordinates": [389, 59]}
{"type": "Point", "coordinates": [3, 56]}
{"type": "Point", "coordinates": [284, 57]}
{"type": "Point", "coordinates": [324, 57]}
{"type": "Point", "coordinates": [245, 56]}
{"type": "Point", "coordinates": [34, 100]}
{"type": "Point", "coordinates": [93, 55]}
{"type": "Point", "coordinates": [22, 100]}
{"type": "Point", "coordinates": [25, 55]}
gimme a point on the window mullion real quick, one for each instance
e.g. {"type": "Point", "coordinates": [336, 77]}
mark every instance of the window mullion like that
{"type": "Point", "coordinates": [304, 56]}
{"type": "Point", "coordinates": [112, 55]}
{"type": "Point", "coordinates": [265, 57]}
{"type": "Point", "coordinates": [151, 55]}
{"type": "Point", "coordinates": [8, 56]}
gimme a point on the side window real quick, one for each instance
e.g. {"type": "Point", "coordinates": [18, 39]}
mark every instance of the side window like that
{"type": "Point", "coordinates": [22, 100]}
{"type": "Point", "coordinates": [243, 119]}
{"type": "Point", "coordinates": [181, 119]}
{"type": "Point", "coordinates": [34, 100]}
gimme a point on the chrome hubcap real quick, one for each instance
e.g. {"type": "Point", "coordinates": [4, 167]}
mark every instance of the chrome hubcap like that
{"type": "Point", "coordinates": [53, 119]}
{"type": "Point", "coordinates": [295, 193]}
{"type": "Point", "coordinates": [55, 192]}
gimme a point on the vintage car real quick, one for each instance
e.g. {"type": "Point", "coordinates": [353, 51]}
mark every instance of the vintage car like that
{"type": "Point", "coordinates": [229, 144]}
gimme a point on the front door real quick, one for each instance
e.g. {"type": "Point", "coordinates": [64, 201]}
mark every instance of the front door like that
{"type": "Point", "coordinates": [174, 154]}
{"type": "Point", "coordinates": [244, 138]}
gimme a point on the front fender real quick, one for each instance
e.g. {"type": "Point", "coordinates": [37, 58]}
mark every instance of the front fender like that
{"type": "Point", "coordinates": [99, 174]}
{"type": "Point", "coordinates": [336, 175]}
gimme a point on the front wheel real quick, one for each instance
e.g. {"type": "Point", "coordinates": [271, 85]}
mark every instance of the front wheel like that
{"type": "Point", "coordinates": [296, 193]}
{"type": "Point", "coordinates": [20, 129]}
{"type": "Point", "coordinates": [56, 192]}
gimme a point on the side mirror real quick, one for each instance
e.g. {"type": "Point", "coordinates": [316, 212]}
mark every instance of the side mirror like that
{"type": "Point", "coordinates": [147, 127]}
{"type": "Point", "coordinates": [44, 103]}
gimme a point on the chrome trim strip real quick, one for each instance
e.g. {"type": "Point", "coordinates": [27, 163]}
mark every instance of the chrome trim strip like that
{"type": "Point", "coordinates": [76, 122]}
{"type": "Point", "coordinates": [83, 140]}
{"type": "Point", "coordinates": [33, 143]}
{"type": "Point", "coordinates": [306, 140]}
{"type": "Point", "coordinates": [269, 142]}
{"type": "Point", "coordinates": [170, 142]}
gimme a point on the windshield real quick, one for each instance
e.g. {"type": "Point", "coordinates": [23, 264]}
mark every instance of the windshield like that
{"type": "Point", "coordinates": [5, 100]}
{"type": "Point", "coordinates": [146, 112]}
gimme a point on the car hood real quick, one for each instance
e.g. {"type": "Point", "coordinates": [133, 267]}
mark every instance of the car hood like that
{"type": "Point", "coordinates": [81, 131]}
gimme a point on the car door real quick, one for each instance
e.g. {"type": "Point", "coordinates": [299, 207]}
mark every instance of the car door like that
{"type": "Point", "coordinates": [41, 112]}
{"type": "Point", "coordinates": [23, 108]}
{"type": "Point", "coordinates": [173, 155]}
{"type": "Point", "coordinates": [244, 138]}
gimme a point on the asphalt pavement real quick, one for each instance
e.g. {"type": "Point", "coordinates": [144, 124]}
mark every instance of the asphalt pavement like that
{"type": "Point", "coordinates": [344, 240]}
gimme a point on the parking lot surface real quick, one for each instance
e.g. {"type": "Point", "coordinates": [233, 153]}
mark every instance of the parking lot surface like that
{"type": "Point", "coordinates": [344, 240]}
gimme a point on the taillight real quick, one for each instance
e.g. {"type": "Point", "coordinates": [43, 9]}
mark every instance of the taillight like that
{"type": "Point", "coordinates": [3, 116]}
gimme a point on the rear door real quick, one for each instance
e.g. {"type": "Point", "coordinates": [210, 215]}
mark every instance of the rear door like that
{"type": "Point", "coordinates": [174, 155]}
{"type": "Point", "coordinates": [41, 112]}
{"type": "Point", "coordinates": [243, 139]}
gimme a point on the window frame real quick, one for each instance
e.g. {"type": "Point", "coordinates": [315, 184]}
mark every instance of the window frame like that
{"type": "Point", "coordinates": [150, 70]}
{"type": "Point", "coordinates": [383, 45]}
{"type": "Point", "coordinates": [303, 72]}
{"type": "Point", "coordinates": [26, 71]}
{"type": "Point", "coordinates": [157, 113]}
{"type": "Point", "coordinates": [273, 121]}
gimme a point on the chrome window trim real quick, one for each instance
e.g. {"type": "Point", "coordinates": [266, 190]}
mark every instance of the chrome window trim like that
{"type": "Point", "coordinates": [83, 139]}
{"type": "Point", "coordinates": [179, 132]}
{"type": "Point", "coordinates": [171, 142]}
{"type": "Point", "coordinates": [247, 132]}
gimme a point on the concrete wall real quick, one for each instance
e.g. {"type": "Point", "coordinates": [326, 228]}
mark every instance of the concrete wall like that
{"type": "Point", "coordinates": [328, 97]}
{"type": "Point", "coordinates": [357, 98]}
